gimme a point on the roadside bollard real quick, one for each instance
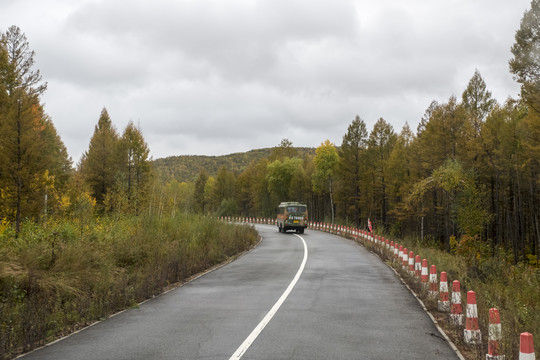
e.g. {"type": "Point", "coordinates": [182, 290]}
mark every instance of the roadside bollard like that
{"type": "Point", "coordinates": [472, 333]}
{"type": "Point", "coordinates": [526, 346]}
{"type": "Point", "coordinates": [433, 281]}
{"type": "Point", "coordinates": [495, 336]}
{"type": "Point", "coordinates": [411, 263]}
{"type": "Point", "coordinates": [405, 258]}
{"type": "Point", "coordinates": [417, 266]}
{"type": "Point", "coordinates": [456, 315]}
{"type": "Point", "coordinates": [424, 277]}
{"type": "Point", "coordinates": [444, 302]}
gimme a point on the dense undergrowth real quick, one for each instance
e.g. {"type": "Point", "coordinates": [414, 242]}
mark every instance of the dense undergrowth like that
{"type": "Point", "coordinates": [62, 276]}
{"type": "Point", "coordinates": [513, 289]}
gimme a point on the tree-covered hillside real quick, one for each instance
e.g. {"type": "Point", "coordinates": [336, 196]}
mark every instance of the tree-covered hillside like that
{"type": "Point", "coordinates": [186, 168]}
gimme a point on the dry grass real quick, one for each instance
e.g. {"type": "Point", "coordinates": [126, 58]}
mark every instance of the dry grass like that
{"type": "Point", "coordinates": [55, 279]}
{"type": "Point", "coordinates": [513, 289]}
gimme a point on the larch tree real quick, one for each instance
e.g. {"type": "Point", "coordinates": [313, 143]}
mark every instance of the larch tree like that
{"type": "Point", "coordinates": [198, 196]}
{"type": "Point", "coordinates": [400, 171]}
{"type": "Point", "coordinates": [380, 144]}
{"type": "Point", "coordinates": [351, 160]}
{"type": "Point", "coordinates": [100, 162]}
{"type": "Point", "coordinates": [326, 162]}
{"type": "Point", "coordinates": [526, 50]}
{"type": "Point", "coordinates": [525, 65]}
{"type": "Point", "coordinates": [31, 153]}
{"type": "Point", "coordinates": [225, 191]}
{"type": "Point", "coordinates": [477, 100]}
{"type": "Point", "coordinates": [135, 167]}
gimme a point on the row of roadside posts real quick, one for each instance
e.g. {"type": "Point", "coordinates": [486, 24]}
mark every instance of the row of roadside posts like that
{"type": "Point", "coordinates": [437, 288]}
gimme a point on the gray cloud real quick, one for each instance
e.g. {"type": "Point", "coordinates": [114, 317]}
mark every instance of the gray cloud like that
{"type": "Point", "coordinates": [214, 77]}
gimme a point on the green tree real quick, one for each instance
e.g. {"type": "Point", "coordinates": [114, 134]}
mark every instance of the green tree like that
{"type": "Point", "coordinates": [31, 153]}
{"type": "Point", "coordinates": [225, 187]}
{"type": "Point", "coordinates": [448, 134]}
{"type": "Point", "coordinates": [300, 185]}
{"type": "Point", "coordinates": [401, 172]}
{"type": "Point", "coordinates": [326, 163]}
{"type": "Point", "coordinates": [526, 50]}
{"type": "Point", "coordinates": [253, 192]}
{"type": "Point", "coordinates": [198, 196]}
{"type": "Point", "coordinates": [466, 201]}
{"type": "Point", "coordinates": [100, 163]}
{"type": "Point", "coordinates": [135, 170]}
{"type": "Point", "coordinates": [477, 100]}
{"type": "Point", "coordinates": [210, 199]}
{"type": "Point", "coordinates": [283, 150]}
{"type": "Point", "coordinates": [380, 144]}
{"type": "Point", "coordinates": [350, 165]}
{"type": "Point", "coordinates": [525, 66]}
{"type": "Point", "coordinates": [279, 175]}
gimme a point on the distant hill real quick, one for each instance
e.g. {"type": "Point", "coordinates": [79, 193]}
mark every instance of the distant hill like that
{"type": "Point", "coordinates": [187, 167]}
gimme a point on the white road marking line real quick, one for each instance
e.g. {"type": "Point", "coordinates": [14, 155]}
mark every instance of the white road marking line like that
{"type": "Point", "coordinates": [255, 333]}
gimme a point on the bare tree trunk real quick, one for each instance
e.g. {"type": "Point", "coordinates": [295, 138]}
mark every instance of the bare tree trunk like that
{"type": "Point", "coordinates": [19, 169]}
{"type": "Point", "coordinates": [534, 214]}
{"type": "Point", "coordinates": [331, 200]}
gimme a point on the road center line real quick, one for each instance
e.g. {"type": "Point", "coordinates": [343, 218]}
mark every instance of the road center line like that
{"type": "Point", "coordinates": [255, 333]}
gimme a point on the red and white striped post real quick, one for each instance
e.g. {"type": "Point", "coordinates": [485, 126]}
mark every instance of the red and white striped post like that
{"type": "Point", "coordinates": [471, 332]}
{"type": "Point", "coordinates": [396, 250]}
{"type": "Point", "coordinates": [444, 302]}
{"type": "Point", "coordinates": [526, 346]}
{"type": "Point", "coordinates": [411, 263]}
{"type": "Point", "coordinates": [433, 291]}
{"type": "Point", "coordinates": [400, 254]}
{"type": "Point", "coordinates": [417, 266]}
{"type": "Point", "coordinates": [405, 258]}
{"type": "Point", "coordinates": [456, 312]}
{"type": "Point", "coordinates": [424, 277]}
{"type": "Point", "coordinates": [495, 336]}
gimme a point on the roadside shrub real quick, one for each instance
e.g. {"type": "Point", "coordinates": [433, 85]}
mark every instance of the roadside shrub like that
{"type": "Point", "coordinates": [59, 277]}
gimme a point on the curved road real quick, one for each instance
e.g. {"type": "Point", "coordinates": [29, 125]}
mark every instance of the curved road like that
{"type": "Point", "coordinates": [346, 304]}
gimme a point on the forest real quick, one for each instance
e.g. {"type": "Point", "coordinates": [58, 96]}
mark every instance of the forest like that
{"type": "Point", "coordinates": [469, 173]}
{"type": "Point", "coordinates": [466, 181]}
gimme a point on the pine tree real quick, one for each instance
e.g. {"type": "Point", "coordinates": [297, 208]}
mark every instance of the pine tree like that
{"type": "Point", "coordinates": [100, 163]}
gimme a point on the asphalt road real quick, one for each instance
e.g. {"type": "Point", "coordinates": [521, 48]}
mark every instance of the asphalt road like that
{"type": "Point", "coordinates": [346, 304]}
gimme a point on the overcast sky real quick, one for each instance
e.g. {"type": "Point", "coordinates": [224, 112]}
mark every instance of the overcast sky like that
{"type": "Point", "coordinates": [214, 77]}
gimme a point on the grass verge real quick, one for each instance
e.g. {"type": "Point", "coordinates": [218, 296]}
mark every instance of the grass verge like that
{"type": "Point", "coordinates": [513, 289]}
{"type": "Point", "coordinates": [58, 278]}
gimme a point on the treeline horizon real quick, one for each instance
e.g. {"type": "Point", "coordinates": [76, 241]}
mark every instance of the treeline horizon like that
{"type": "Point", "coordinates": [470, 172]}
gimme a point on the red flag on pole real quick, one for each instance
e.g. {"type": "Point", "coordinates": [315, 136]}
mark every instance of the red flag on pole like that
{"type": "Point", "coordinates": [369, 226]}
